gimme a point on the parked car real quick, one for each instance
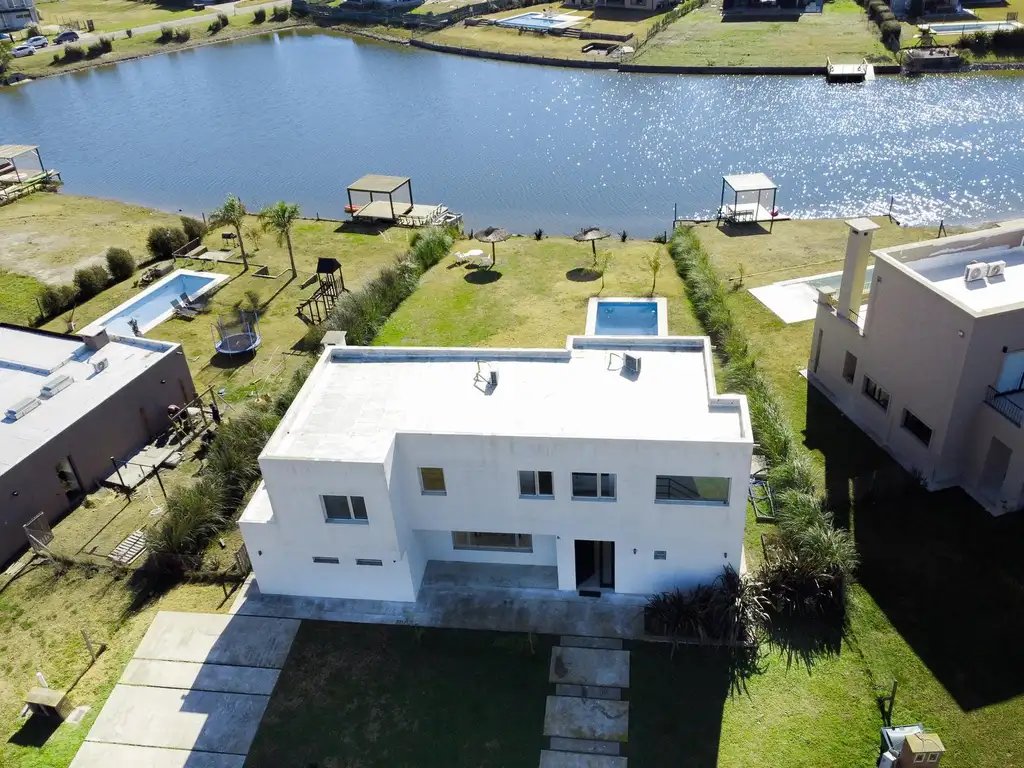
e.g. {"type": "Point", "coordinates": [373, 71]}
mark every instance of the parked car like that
{"type": "Point", "coordinates": [22, 50]}
{"type": "Point", "coordinates": [37, 42]}
{"type": "Point", "coordinates": [68, 36]}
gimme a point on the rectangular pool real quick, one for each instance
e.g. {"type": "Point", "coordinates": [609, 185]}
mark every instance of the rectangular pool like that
{"type": "Point", "coordinates": [535, 20]}
{"type": "Point", "coordinates": [969, 27]}
{"type": "Point", "coordinates": [153, 305]}
{"type": "Point", "coordinates": [624, 318]}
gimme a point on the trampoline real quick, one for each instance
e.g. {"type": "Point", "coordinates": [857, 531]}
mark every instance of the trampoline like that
{"type": "Point", "coordinates": [239, 335]}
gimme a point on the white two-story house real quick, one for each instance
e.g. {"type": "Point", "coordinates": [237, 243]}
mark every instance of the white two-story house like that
{"type": "Point", "coordinates": [17, 14]}
{"type": "Point", "coordinates": [575, 468]}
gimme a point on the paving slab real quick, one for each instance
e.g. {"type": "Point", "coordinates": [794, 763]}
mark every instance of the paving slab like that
{"type": "Point", "coordinates": [200, 677]}
{"type": "Point", "coordinates": [589, 666]}
{"type": "Point", "coordinates": [576, 718]}
{"type": "Point", "coordinates": [611, 643]}
{"type": "Point", "coordinates": [96, 755]}
{"type": "Point", "coordinates": [214, 638]}
{"type": "Point", "coordinates": [588, 691]}
{"type": "Point", "coordinates": [552, 759]}
{"type": "Point", "coordinates": [177, 719]}
{"type": "Point", "coordinates": [585, 745]}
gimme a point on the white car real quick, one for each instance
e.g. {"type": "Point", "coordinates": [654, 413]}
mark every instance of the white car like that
{"type": "Point", "coordinates": [23, 50]}
{"type": "Point", "coordinates": [37, 42]}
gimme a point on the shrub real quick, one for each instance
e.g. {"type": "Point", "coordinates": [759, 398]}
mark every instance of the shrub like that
{"type": "Point", "coordinates": [660, 238]}
{"type": "Point", "coordinates": [279, 13]}
{"type": "Point", "coordinates": [891, 31]}
{"type": "Point", "coordinates": [194, 229]}
{"type": "Point", "coordinates": [538, 234]}
{"type": "Point", "coordinates": [1009, 41]}
{"type": "Point", "coordinates": [56, 59]}
{"type": "Point", "coordinates": [120, 263]}
{"type": "Point", "coordinates": [233, 457]}
{"type": "Point", "coordinates": [128, 33]}
{"type": "Point", "coordinates": [32, 31]}
{"type": "Point", "coordinates": [193, 515]}
{"type": "Point", "coordinates": [259, 16]}
{"type": "Point", "coordinates": [54, 299]}
{"type": "Point", "coordinates": [623, 235]}
{"type": "Point", "coordinates": [182, 35]}
{"type": "Point", "coordinates": [214, 27]}
{"type": "Point", "coordinates": [166, 35]}
{"type": "Point", "coordinates": [223, 19]}
{"type": "Point", "coordinates": [429, 247]}
{"type": "Point", "coordinates": [162, 242]}
{"type": "Point", "coordinates": [91, 280]}
{"type": "Point", "coordinates": [252, 301]}
{"type": "Point", "coordinates": [71, 53]}
{"type": "Point", "coordinates": [362, 313]}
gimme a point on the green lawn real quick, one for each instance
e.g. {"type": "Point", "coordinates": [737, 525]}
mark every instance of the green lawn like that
{"type": "Point", "coordinates": [21, 306]}
{"type": "Point", "coordinates": [114, 14]}
{"type": "Point", "coordinates": [704, 38]}
{"type": "Point", "coordinates": [368, 696]}
{"type": "Point", "coordinates": [531, 298]}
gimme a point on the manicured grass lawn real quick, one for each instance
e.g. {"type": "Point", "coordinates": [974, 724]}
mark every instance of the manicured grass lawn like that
{"type": "Point", "coordinates": [703, 38]}
{"type": "Point", "coordinates": [21, 306]}
{"type": "Point", "coordinates": [366, 695]}
{"type": "Point", "coordinates": [923, 555]}
{"type": "Point", "coordinates": [241, 25]}
{"type": "Point", "coordinates": [115, 14]}
{"type": "Point", "coordinates": [998, 12]}
{"type": "Point", "coordinates": [529, 299]}
{"type": "Point", "coordinates": [609, 21]}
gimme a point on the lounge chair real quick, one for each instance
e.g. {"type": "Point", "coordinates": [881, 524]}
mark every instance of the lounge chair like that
{"type": "Point", "coordinates": [184, 312]}
{"type": "Point", "coordinates": [461, 258]}
{"type": "Point", "coordinates": [186, 301]}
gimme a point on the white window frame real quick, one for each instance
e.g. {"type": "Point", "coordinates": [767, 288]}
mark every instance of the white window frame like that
{"type": "Point", "coordinates": [444, 482]}
{"type": "Point", "coordinates": [599, 496]}
{"type": "Point", "coordinates": [536, 484]}
{"type": "Point", "coordinates": [481, 548]}
{"type": "Point", "coordinates": [352, 519]}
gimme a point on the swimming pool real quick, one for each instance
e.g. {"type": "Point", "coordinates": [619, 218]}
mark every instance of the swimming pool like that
{"type": "Point", "coordinates": [535, 20]}
{"type": "Point", "coordinates": [153, 305]}
{"type": "Point", "coordinates": [626, 317]}
{"type": "Point", "coordinates": [967, 27]}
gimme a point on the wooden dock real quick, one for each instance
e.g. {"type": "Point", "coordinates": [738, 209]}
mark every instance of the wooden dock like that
{"type": "Point", "coordinates": [848, 73]}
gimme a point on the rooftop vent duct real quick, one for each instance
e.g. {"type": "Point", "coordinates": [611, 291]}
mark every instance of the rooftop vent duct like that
{"type": "Point", "coordinates": [22, 407]}
{"type": "Point", "coordinates": [55, 385]}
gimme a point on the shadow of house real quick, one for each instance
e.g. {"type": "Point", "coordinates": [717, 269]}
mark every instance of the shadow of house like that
{"type": "Point", "coordinates": [947, 575]}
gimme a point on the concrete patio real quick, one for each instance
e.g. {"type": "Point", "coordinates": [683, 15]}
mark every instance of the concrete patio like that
{"type": "Point", "coordinates": [446, 599]}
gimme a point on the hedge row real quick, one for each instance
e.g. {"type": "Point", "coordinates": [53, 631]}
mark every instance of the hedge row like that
{"type": "Point", "coordinates": [880, 13]}
{"type": "Point", "coordinates": [810, 562]}
{"type": "Point", "coordinates": [86, 283]}
{"type": "Point", "coordinates": [674, 15]}
{"type": "Point", "coordinates": [1000, 42]}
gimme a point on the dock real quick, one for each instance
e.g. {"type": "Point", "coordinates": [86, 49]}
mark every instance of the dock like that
{"type": "Point", "coordinates": [384, 207]}
{"type": "Point", "coordinates": [848, 73]}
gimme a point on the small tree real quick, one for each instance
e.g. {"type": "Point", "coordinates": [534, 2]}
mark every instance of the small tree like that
{"type": "Point", "coordinates": [120, 263]}
{"type": "Point", "coordinates": [194, 228]}
{"type": "Point", "coordinates": [162, 242]}
{"type": "Point", "coordinates": [5, 55]}
{"type": "Point", "coordinates": [232, 214]}
{"type": "Point", "coordinates": [653, 264]}
{"type": "Point", "coordinates": [254, 234]}
{"type": "Point", "coordinates": [91, 280]}
{"type": "Point", "coordinates": [279, 218]}
{"type": "Point", "coordinates": [603, 261]}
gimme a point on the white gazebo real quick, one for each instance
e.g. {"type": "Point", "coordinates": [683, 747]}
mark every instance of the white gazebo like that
{"type": "Point", "coordinates": [753, 199]}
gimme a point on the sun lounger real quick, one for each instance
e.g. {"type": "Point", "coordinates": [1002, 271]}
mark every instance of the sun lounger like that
{"type": "Point", "coordinates": [184, 312]}
{"type": "Point", "coordinates": [461, 258]}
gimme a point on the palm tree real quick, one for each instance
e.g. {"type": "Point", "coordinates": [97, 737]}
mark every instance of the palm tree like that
{"type": "Point", "coordinates": [279, 218]}
{"type": "Point", "coordinates": [232, 212]}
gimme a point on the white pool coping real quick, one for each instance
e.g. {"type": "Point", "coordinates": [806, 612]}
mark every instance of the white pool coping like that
{"type": "Point", "coordinates": [660, 303]}
{"type": "Point", "coordinates": [564, 20]}
{"type": "Point", "coordinates": [793, 301]}
{"type": "Point", "coordinates": [218, 278]}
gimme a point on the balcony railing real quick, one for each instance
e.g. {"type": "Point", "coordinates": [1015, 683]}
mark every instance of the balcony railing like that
{"type": "Point", "coordinates": [1006, 407]}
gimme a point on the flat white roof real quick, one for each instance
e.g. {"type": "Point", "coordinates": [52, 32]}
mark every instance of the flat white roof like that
{"type": "Point", "coordinates": [749, 182]}
{"type": "Point", "coordinates": [29, 359]}
{"type": "Point", "coordinates": [945, 271]}
{"type": "Point", "coordinates": [359, 398]}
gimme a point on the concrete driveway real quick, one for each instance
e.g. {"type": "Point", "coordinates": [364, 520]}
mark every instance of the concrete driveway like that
{"type": "Point", "coordinates": [193, 695]}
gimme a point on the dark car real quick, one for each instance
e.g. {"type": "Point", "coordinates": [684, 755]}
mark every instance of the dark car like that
{"type": "Point", "coordinates": [69, 36]}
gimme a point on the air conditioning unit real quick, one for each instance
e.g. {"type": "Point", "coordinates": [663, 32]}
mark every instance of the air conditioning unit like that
{"type": "Point", "coordinates": [22, 407]}
{"type": "Point", "coordinates": [55, 385]}
{"type": "Point", "coordinates": [996, 268]}
{"type": "Point", "coordinates": [975, 271]}
{"type": "Point", "coordinates": [100, 365]}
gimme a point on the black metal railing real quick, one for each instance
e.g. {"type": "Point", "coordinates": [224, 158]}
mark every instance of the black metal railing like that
{"type": "Point", "coordinates": [1006, 407]}
{"type": "Point", "coordinates": [667, 488]}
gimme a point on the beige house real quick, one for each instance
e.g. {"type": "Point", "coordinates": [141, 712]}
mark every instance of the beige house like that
{"type": "Point", "coordinates": [924, 350]}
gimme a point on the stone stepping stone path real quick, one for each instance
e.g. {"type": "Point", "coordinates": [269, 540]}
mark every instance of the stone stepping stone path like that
{"type": "Point", "coordinates": [587, 718]}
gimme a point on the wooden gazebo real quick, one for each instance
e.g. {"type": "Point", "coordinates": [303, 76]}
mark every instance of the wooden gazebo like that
{"type": "Point", "coordinates": [751, 193]}
{"type": "Point", "coordinates": [9, 156]}
{"type": "Point", "coordinates": [378, 186]}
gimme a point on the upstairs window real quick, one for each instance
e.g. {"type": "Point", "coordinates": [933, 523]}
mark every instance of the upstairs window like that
{"type": "Point", "coordinates": [593, 485]}
{"type": "Point", "coordinates": [707, 490]}
{"type": "Point", "coordinates": [432, 481]}
{"type": "Point", "coordinates": [536, 484]}
{"type": "Point", "coordinates": [344, 509]}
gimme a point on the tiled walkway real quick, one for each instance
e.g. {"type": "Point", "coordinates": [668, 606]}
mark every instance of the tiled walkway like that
{"type": "Point", "coordinates": [587, 718]}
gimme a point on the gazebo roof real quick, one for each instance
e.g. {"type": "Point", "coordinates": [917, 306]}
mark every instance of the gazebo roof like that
{"type": "Point", "coordinates": [7, 151]}
{"type": "Point", "coordinates": [749, 182]}
{"type": "Point", "coordinates": [374, 182]}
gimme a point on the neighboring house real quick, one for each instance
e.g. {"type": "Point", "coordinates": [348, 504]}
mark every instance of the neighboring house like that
{"type": "Point", "coordinates": [932, 368]}
{"type": "Point", "coordinates": [70, 403]}
{"type": "Point", "coordinates": [17, 14]}
{"type": "Point", "coordinates": [630, 5]}
{"type": "Point", "coordinates": [554, 468]}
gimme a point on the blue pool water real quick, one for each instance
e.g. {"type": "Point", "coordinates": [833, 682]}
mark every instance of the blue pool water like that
{"type": "Point", "coordinates": [626, 318]}
{"type": "Point", "coordinates": [148, 308]}
{"type": "Point", "coordinates": [531, 21]}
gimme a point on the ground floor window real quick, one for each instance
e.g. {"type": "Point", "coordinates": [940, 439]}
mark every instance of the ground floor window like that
{"type": "Point", "coordinates": [876, 393]}
{"type": "Point", "coordinates": [508, 542]}
{"type": "Point", "coordinates": [916, 427]}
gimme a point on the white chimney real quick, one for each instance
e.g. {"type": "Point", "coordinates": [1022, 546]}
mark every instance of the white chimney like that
{"type": "Point", "coordinates": [858, 251]}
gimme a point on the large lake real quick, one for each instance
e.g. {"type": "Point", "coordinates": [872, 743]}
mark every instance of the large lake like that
{"type": "Point", "coordinates": [298, 116]}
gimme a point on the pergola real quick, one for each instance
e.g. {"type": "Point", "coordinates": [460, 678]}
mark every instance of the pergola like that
{"type": "Point", "coordinates": [376, 184]}
{"type": "Point", "coordinates": [749, 193]}
{"type": "Point", "coordinates": [9, 173]}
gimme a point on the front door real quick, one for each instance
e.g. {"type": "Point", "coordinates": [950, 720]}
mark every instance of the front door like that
{"type": "Point", "coordinates": [595, 564]}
